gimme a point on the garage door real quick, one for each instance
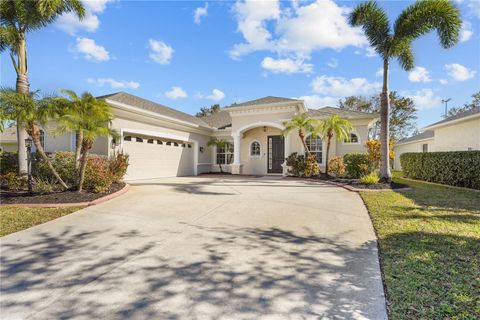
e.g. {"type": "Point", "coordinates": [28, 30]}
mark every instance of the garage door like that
{"type": "Point", "coordinates": [151, 157]}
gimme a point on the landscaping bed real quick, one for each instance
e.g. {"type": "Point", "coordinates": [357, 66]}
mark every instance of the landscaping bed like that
{"type": "Point", "coordinates": [69, 196]}
{"type": "Point", "coordinates": [357, 184]}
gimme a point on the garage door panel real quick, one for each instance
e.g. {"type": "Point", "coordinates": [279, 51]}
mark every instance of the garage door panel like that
{"type": "Point", "coordinates": [152, 160]}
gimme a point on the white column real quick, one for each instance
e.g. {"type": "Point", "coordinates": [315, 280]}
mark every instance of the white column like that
{"type": "Point", "coordinates": [287, 153]}
{"type": "Point", "coordinates": [236, 148]}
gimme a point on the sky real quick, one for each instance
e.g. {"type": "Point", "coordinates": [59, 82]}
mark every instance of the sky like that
{"type": "Point", "coordinates": [191, 54]}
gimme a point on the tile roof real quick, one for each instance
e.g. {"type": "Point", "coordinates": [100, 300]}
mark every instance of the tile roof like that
{"type": "Point", "coordinates": [343, 113]}
{"type": "Point", "coordinates": [123, 97]}
{"type": "Point", "coordinates": [264, 100]}
{"type": "Point", "coordinates": [457, 116]}
{"type": "Point", "coordinates": [424, 135]}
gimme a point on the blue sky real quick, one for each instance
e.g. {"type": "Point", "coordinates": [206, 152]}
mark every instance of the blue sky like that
{"type": "Point", "coordinates": [192, 54]}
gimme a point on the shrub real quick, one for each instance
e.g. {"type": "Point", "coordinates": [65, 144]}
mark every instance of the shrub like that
{"type": "Point", "coordinates": [8, 162]}
{"type": "Point", "coordinates": [311, 166]}
{"type": "Point", "coordinates": [371, 178]}
{"type": "Point", "coordinates": [118, 165]}
{"type": "Point", "coordinates": [373, 150]}
{"type": "Point", "coordinates": [357, 164]}
{"type": "Point", "coordinates": [97, 174]}
{"type": "Point", "coordinates": [43, 186]}
{"type": "Point", "coordinates": [14, 181]}
{"type": "Point", "coordinates": [297, 164]}
{"type": "Point", "coordinates": [456, 168]}
{"type": "Point", "coordinates": [63, 162]}
{"type": "Point", "coordinates": [336, 166]}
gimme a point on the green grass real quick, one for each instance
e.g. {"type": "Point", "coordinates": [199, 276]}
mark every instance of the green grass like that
{"type": "Point", "coordinates": [13, 219]}
{"type": "Point", "coordinates": [429, 241]}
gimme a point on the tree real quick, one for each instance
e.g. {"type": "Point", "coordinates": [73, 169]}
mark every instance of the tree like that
{"type": "Point", "coordinates": [402, 113]}
{"type": "Point", "coordinates": [33, 111]}
{"type": "Point", "coordinates": [416, 20]}
{"type": "Point", "coordinates": [206, 111]}
{"type": "Point", "coordinates": [475, 104]}
{"type": "Point", "coordinates": [219, 144]}
{"type": "Point", "coordinates": [89, 116]}
{"type": "Point", "coordinates": [333, 126]}
{"type": "Point", "coordinates": [17, 18]}
{"type": "Point", "coordinates": [304, 124]}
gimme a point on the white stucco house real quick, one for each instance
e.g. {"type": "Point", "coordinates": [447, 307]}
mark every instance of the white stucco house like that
{"type": "Point", "coordinates": [460, 132]}
{"type": "Point", "coordinates": [164, 142]}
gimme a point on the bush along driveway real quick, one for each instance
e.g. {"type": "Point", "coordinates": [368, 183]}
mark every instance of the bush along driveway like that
{"type": "Point", "coordinates": [429, 239]}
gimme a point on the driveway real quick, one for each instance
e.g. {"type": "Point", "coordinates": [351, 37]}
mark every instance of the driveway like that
{"type": "Point", "coordinates": [200, 248]}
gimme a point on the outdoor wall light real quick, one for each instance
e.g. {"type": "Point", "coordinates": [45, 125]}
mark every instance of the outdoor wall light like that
{"type": "Point", "coordinates": [202, 149]}
{"type": "Point", "coordinates": [28, 143]}
{"type": "Point", "coordinates": [264, 128]}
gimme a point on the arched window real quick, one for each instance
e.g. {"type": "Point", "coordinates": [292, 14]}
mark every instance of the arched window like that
{"type": "Point", "coordinates": [315, 147]}
{"type": "Point", "coordinates": [42, 138]}
{"type": "Point", "coordinates": [169, 143]}
{"type": "Point", "coordinates": [353, 138]}
{"type": "Point", "coordinates": [127, 138]}
{"type": "Point", "coordinates": [159, 142]}
{"type": "Point", "coordinates": [150, 141]}
{"type": "Point", "coordinates": [138, 139]}
{"type": "Point", "coordinates": [255, 149]}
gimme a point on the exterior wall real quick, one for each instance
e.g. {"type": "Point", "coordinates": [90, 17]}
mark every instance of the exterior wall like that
{"type": "Point", "coordinates": [58, 143]}
{"type": "Point", "coordinates": [256, 164]}
{"type": "Point", "coordinates": [458, 136]}
{"type": "Point", "coordinates": [8, 146]}
{"type": "Point", "coordinates": [415, 146]}
{"type": "Point", "coordinates": [343, 148]}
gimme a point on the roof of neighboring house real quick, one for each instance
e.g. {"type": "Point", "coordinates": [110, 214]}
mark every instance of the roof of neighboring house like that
{"type": "Point", "coordinates": [458, 116]}
{"type": "Point", "coordinates": [421, 136]}
{"type": "Point", "coordinates": [9, 135]}
{"type": "Point", "coordinates": [134, 101]}
{"type": "Point", "coordinates": [261, 101]}
{"type": "Point", "coordinates": [342, 113]}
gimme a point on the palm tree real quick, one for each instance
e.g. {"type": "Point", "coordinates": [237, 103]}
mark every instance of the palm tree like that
{"type": "Point", "coordinates": [304, 124]}
{"type": "Point", "coordinates": [333, 126]}
{"type": "Point", "coordinates": [92, 118]}
{"type": "Point", "coordinates": [17, 18]}
{"type": "Point", "coordinates": [219, 144]}
{"type": "Point", "coordinates": [415, 21]}
{"type": "Point", "coordinates": [33, 111]}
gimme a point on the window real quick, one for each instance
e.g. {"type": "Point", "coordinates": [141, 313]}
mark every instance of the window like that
{"type": "Point", "coordinates": [159, 142]}
{"type": "Point", "coordinates": [127, 138]}
{"type": "Point", "coordinates": [225, 155]}
{"type": "Point", "coordinates": [42, 138]}
{"type": "Point", "coordinates": [425, 147]}
{"type": "Point", "coordinates": [138, 139]}
{"type": "Point", "coordinates": [175, 144]}
{"type": "Point", "coordinates": [315, 147]}
{"type": "Point", "coordinates": [255, 149]}
{"type": "Point", "coordinates": [150, 141]}
{"type": "Point", "coordinates": [183, 145]}
{"type": "Point", "coordinates": [353, 138]}
{"type": "Point", "coordinates": [189, 145]}
{"type": "Point", "coordinates": [169, 143]}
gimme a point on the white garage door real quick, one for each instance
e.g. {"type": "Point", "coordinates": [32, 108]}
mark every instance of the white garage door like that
{"type": "Point", "coordinates": [155, 158]}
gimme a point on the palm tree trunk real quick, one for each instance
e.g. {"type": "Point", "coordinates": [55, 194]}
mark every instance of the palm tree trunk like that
{"type": "Point", "coordinates": [302, 137]}
{"type": "Point", "coordinates": [22, 86]}
{"type": "Point", "coordinates": [35, 133]}
{"type": "Point", "coordinates": [81, 176]}
{"type": "Point", "coordinates": [78, 148]}
{"type": "Point", "coordinates": [329, 140]}
{"type": "Point", "coordinates": [385, 173]}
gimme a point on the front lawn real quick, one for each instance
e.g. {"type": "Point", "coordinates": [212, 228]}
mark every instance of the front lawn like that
{"type": "Point", "coordinates": [429, 241]}
{"type": "Point", "coordinates": [13, 219]}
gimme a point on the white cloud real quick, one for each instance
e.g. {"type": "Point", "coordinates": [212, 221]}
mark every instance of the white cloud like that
{"type": "Point", "coordinates": [379, 72]}
{"type": "Point", "coordinates": [160, 52]}
{"type": "Point", "coordinates": [216, 95]}
{"type": "Point", "coordinates": [199, 13]}
{"type": "Point", "coordinates": [459, 72]}
{"type": "Point", "coordinates": [466, 31]}
{"type": "Point", "coordinates": [115, 84]}
{"type": "Point", "coordinates": [70, 23]}
{"type": "Point", "coordinates": [287, 66]}
{"type": "Point", "coordinates": [424, 99]}
{"type": "Point", "coordinates": [419, 74]}
{"type": "Point", "coordinates": [91, 51]}
{"type": "Point", "coordinates": [370, 52]}
{"type": "Point", "coordinates": [315, 101]}
{"type": "Point", "coordinates": [341, 87]}
{"type": "Point", "coordinates": [175, 93]}
{"type": "Point", "coordinates": [443, 81]}
{"type": "Point", "coordinates": [332, 63]}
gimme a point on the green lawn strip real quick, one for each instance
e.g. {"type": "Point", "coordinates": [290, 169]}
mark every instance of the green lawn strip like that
{"type": "Point", "coordinates": [13, 219]}
{"type": "Point", "coordinates": [429, 240]}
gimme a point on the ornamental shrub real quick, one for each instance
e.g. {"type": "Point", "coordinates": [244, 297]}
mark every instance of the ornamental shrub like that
{"type": "Point", "coordinates": [297, 164]}
{"type": "Point", "coordinates": [336, 166]}
{"type": "Point", "coordinates": [13, 181]}
{"type": "Point", "coordinates": [371, 178]}
{"type": "Point", "coordinates": [118, 165]}
{"type": "Point", "coordinates": [98, 177]}
{"type": "Point", "coordinates": [63, 162]}
{"type": "Point", "coordinates": [456, 168]}
{"type": "Point", "coordinates": [311, 166]}
{"type": "Point", "coordinates": [373, 150]}
{"type": "Point", "coordinates": [8, 162]}
{"type": "Point", "coordinates": [357, 164]}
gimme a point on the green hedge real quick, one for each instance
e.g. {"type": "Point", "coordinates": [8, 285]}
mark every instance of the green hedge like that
{"type": "Point", "coordinates": [457, 168]}
{"type": "Point", "coordinates": [357, 164]}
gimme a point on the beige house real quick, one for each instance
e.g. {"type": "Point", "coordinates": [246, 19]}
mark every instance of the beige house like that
{"type": "Point", "coordinates": [163, 142]}
{"type": "Point", "coordinates": [460, 132]}
{"type": "Point", "coordinates": [8, 139]}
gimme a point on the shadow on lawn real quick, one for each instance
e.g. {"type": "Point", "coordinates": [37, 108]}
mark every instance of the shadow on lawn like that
{"type": "Point", "coordinates": [240, 273]}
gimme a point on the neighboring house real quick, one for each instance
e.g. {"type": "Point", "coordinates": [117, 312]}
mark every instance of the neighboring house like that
{"type": "Point", "coordinates": [8, 139]}
{"type": "Point", "coordinates": [163, 142]}
{"type": "Point", "coordinates": [460, 132]}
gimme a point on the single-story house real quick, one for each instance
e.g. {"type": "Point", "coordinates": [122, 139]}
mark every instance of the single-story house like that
{"type": "Point", "coordinates": [460, 132]}
{"type": "Point", "coordinates": [8, 139]}
{"type": "Point", "coordinates": [164, 142]}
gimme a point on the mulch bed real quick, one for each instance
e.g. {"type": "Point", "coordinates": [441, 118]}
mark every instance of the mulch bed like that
{"type": "Point", "coordinates": [69, 196]}
{"type": "Point", "coordinates": [356, 184]}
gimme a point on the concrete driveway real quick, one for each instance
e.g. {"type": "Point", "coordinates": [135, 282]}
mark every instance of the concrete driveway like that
{"type": "Point", "coordinates": [200, 248]}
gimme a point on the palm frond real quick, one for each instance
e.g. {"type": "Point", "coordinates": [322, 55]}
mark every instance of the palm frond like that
{"type": "Point", "coordinates": [402, 50]}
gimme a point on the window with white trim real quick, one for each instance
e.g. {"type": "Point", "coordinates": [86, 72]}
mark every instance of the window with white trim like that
{"type": "Point", "coordinates": [42, 138]}
{"type": "Point", "coordinates": [315, 146]}
{"type": "Point", "coordinates": [353, 138]}
{"type": "Point", "coordinates": [255, 149]}
{"type": "Point", "coordinates": [224, 155]}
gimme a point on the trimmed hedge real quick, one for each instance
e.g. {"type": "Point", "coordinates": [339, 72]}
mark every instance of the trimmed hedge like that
{"type": "Point", "coordinates": [456, 168]}
{"type": "Point", "coordinates": [357, 164]}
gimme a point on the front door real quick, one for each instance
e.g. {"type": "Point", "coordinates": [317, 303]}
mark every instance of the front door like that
{"type": "Point", "coordinates": [276, 154]}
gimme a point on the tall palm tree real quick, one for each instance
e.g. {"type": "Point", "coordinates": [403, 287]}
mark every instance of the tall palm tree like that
{"type": "Point", "coordinates": [333, 126]}
{"type": "Point", "coordinates": [92, 118]}
{"type": "Point", "coordinates": [32, 111]}
{"type": "Point", "coordinates": [415, 21]}
{"type": "Point", "coordinates": [304, 124]}
{"type": "Point", "coordinates": [220, 144]}
{"type": "Point", "coordinates": [17, 18]}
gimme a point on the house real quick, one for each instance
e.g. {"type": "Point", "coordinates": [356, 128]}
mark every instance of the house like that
{"type": "Point", "coordinates": [460, 132]}
{"type": "Point", "coordinates": [8, 139]}
{"type": "Point", "coordinates": [164, 142]}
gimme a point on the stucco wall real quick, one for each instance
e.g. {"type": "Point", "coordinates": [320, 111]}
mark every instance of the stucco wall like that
{"type": "Point", "coordinates": [458, 136]}
{"type": "Point", "coordinates": [254, 164]}
{"type": "Point", "coordinates": [416, 146]}
{"type": "Point", "coordinates": [8, 146]}
{"type": "Point", "coordinates": [346, 147]}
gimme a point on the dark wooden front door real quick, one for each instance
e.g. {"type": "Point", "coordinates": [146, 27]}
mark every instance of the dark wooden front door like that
{"type": "Point", "coordinates": [276, 154]}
